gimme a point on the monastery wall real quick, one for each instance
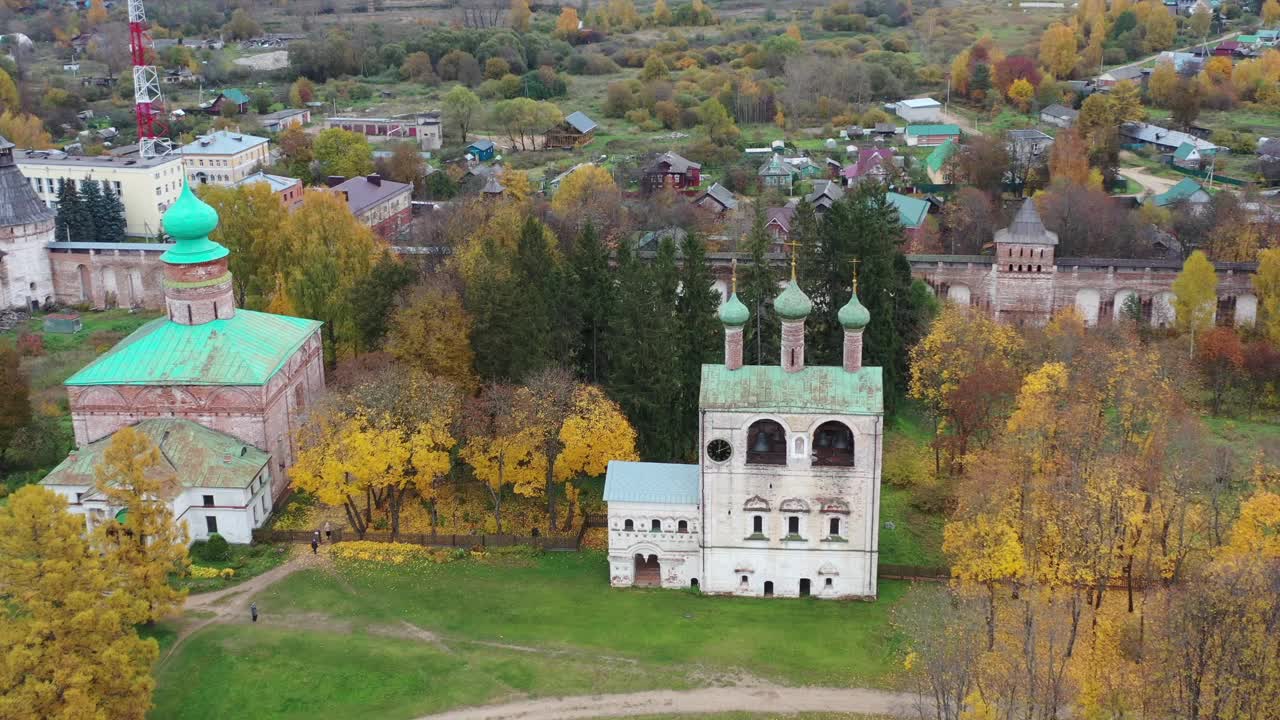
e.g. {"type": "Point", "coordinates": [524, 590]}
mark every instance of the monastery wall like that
{"type": "Point", "coordinates": [24, 275]}
{"type": "Point", "coordinates": [124, 277]}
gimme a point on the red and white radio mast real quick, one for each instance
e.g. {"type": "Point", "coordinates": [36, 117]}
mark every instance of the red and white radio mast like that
{"type": "Point", "coordinates": [146, 88]}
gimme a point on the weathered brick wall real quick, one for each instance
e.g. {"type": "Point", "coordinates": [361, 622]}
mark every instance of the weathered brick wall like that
{"type": "Point", "coordinates": [133, 277]}
{"type": "Point", "coordinates": [1096, 287]}
{"type": "Point", "coordinates": [24, 270]}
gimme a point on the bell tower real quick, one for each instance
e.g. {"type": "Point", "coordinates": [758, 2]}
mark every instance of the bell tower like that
{"type": "Point", "coordinates": [197, 281]}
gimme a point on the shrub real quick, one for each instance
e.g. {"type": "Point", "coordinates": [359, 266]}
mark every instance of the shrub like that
{"type": "Point", "coordinates": [215, 549]}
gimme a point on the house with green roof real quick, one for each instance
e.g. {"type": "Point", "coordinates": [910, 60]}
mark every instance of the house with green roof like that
{"type": "Point", "coordinates": [931, 135]}
{"type": "Point", "coordinates": [1187, 191]}
{"type": "Point", "coordinates": [912, 213]}
{"type": "Point", "coordinates": [784, 499]}
{"type": "Point", "coordinates": [244, 374]}
{"type": "Point", "coordinates": [936, 162]}
{"type": "Point", "coordinates": [230, 96]}
{"type": "Point", "coordinates": [776, 174]}
{"type": "Point", "coordinates": [215, 483]}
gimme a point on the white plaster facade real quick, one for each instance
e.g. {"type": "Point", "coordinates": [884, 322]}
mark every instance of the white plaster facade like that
{"type": "Point", "coordinates": [146, 187]}
{"type": "Point", "coordinates": [26, 277]}
{"type": "Point", "coordinates": [675, 544]}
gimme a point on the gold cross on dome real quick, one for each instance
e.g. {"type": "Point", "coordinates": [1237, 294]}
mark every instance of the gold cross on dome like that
{"type": "Point", "coordinates": [855, 275]}
{"type": "Point", "coordinates": [795, 247]}
{"type": "Point", "coordinates": [733, 269]}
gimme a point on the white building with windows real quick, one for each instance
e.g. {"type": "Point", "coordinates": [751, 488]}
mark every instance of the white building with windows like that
{"type": "Point", "coordinates": [224, 157]}
{"type": "Point", "coordinates": [218, 484]}
{"type": "Point", "coordinates": [785, 500]}
{"type": "Point", "coordinates": [146, 186]}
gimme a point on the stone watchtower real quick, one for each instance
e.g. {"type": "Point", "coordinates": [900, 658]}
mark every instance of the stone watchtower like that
{"type": "Point", "coordinates": [26, 228]}
{"type": "Point", "coordinates": [1024, 268]}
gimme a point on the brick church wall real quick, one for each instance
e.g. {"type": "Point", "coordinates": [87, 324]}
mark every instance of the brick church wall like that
{"type": "Point", "coordinates": [134, 278]}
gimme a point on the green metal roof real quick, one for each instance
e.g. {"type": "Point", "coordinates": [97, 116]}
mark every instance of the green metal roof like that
{"type": "Point", "coordinates": [815, 389]}
{"type": "Point", "coordinates": [940, 155]}
{"type": "Point", "coordinates": [245, 349]}
{"type": "Point", "coordinates": [733, 313]}
{"type": "Point", "coordinates": [1184, 151]}
{"type": "Point", "coordinates": [911, 211]}
{"type": "Point", "coordinates": [1247, 39]}
{"type": "Point", "coordinates": [933, 130]}
{"type": "Point", "coordinates": [1185, 188]}
{"type": "Point", "coordinates": [236, 96]}
{"type": "Point", "coordinates": [195, 455]}
{"type": "Point", "coordinates": [854, 315]}
{"type": "Point", "coordinates": [190, 220]}
{"type": "Point", "coordinates": [654, 483]}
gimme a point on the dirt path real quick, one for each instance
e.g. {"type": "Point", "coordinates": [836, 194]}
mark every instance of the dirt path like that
{"type": "Point", "coordinates": [708, 700]}
{"type": "Point", "coordinates": [1148, 181]}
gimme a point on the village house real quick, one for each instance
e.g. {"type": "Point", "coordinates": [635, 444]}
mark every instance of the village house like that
{"type": "Point", "coordinates": [1187, 192]}
{"type": "Point", "coordinates": [426, 129]}
{"type": "Point", "coordinates": [1162, 139]}
{"type": "Point", "coordinates": [669, 170]}
{"type": "Point", "coordinates": [936, 162]}
{"type": "Point", "coordinates": [778, 225]}
{"type": "Point", "coordinates": [806, 168]}
{"type": "Point", "coordinates": [912, 213]}
{"type": "Point", "coordinates": [224, 157]}
{"type": "Point", "coordinates": [1190, 157]}
{"type": "Point", "coordinates": [824, 195]}
{"type": "Point", "coordinates": [229, 96]}
{"type": "Point", "coordinates": [576, 130]}
{"type": "Point", "coordinates": [784, 500]}
{"type": "Point", "coordinates": [288, 189]}
{"type": "Point", "coordinates": [1107, 80]}
{"type": "Point", "coordinates": [1028, 147]}
{"type": "Point", "coordinates": [875, 164]}
{"type": "Point", "coordinates": [282, 120]}
{"type": "Point", "coordinates": [1059, 116]}
{"type": "Point", "coordinates": [381, 205]}
{"type": "Point", "coordinates": [718, 199]}
{"type": "Point", "coordinates": [775, 174]}
{"type": "Point", "coordinates": [919, 110]}
{"type": "Point", "coordinates": [482, 150]}
{"type": "Point", "coordinates": [931, 135]}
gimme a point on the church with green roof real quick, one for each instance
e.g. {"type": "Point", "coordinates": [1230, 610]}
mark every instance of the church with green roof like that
{"type": "Point", "coordinates": [785, 498]}
{"type": "Point", "coordinates": [244, 376]}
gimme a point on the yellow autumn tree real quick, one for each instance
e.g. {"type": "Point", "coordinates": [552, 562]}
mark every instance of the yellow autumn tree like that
{"type": "Point", "coordinates": [9, 97]}
{"type": "Point", "coordinates": [1163, 83]}
{"type": "Point", "coordinates": [68, 648]}
{"type": "Point", "coordinates": [661, 13]}
{"type": "Point", "coordinates": [1195, 295]}
{"type": "Point", "coordinates": [567, 24]}
{"type": "Point", "coordinates": [501, 445]}
{"type": "Point", "coordinates": [1271, 13]}
{"type": "Point", "coordinates": [596, 433]}
{"type": "Point", "coordinates": [97, 13]}
{"type": "Point", "coordinates": [24, 130]}
{"type": "Point", "coordinates": [520, 15]}
{"type": "Point", "coordinates": [431, 331]}
{"type": "Point", "coordinates": [793, 32]}
{"type": "Point", "coordinates": [323, 467]}
{"type": "Point", "coordinates": [148, 545]}
{"type": "Point", "coordinates": [1021, 93]}
{"type": "Point", "coordinates": [585, 194]}
{"type": "Point", "coordinates": [517, 185]}
{"type": "Point", "coordinates": [250, 219]}
{"type": "Point", "coordinates": [1266, 283]}
{"type": "Point", "coordinates": [1058, 50]}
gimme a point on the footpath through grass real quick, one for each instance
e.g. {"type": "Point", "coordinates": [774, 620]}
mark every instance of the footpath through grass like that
{"type": "Point", "coordinates": [507, 627]}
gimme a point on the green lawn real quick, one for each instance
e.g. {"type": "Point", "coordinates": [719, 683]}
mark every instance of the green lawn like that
{"type": "Point", "coordinates": [1245, 439]}
{"type": "Point", "coordinates": [247, 560]}
{"type": "Point", "coordinates": [335, 645]}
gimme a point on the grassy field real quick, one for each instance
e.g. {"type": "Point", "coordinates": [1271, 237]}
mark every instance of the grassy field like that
{"type": "Point", "coordinates": [247, 560]}
{"type": "Point", "coordinates": [504, 627]}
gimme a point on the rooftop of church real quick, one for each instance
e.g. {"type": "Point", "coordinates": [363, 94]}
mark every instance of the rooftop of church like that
{"type": "Point", "coordinates": [814, 389]}
{"type": "Point", "coordinates": [193, 455]}
{"type": "Point", "coordinates": [651, 483]}
{"type": "Point", "coordinates": [246, 349]}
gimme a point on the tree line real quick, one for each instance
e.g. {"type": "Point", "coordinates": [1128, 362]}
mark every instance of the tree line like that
{"type": "Point", "coordinates": [92, 213]}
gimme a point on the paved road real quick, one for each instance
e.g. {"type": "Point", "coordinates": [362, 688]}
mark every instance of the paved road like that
{"type": "Point", "coordinates": [709, 700]}
{"type": "Point", "coordinates": [1210, 43]}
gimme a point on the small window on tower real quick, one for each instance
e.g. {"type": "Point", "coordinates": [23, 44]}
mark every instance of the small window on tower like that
{"type": "Point", "coordinates": [629, 525]}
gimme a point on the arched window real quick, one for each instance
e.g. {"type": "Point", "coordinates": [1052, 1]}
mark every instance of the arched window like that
{"type": "Point", "coordinates": [655, 526]}
{"type": "Point", "coordinates": [757, 525]}
{"type": "Point", "coordinates": [629, 525]}
{"type": "Point", "coordinates": [766, 443]}
{"type": "Point", "coordinates": [833, 444]}
{"type": "Point", "coordinates": [682, 526]}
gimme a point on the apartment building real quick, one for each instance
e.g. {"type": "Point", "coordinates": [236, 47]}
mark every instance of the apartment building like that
{"type": "Point", "coordinates": [224, 157]}
{"type": "Point", "coordinates": [146, 186]}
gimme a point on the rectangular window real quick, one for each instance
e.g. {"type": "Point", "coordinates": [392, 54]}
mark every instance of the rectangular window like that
{"type": "Point", "coordinates": [208, 501]}
{"type": "Point", "coordinates": [757, 525]}
{"type": "Point", "coordinates": [793, 526]}
{"type": "Point", "coordinates": [211, 523]}
{"type": "Point", "coordinates": [79, 497]}
{"type": "Point", "coordinates": [835, 526]}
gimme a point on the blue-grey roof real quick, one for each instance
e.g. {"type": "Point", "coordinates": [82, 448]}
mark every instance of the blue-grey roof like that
{"type": "Point", "coordinates": [482, 145]}
{"type": "Point", "coordinates": [78, 245]}
{"type": "Point", "coordinates": [222, 142]}
{"type": "Point", "coordinates": [278, 183]}
{"type": "Point", "coordinates": [580, 122]}
{"type": "Point", "coordinates": [655, 483]}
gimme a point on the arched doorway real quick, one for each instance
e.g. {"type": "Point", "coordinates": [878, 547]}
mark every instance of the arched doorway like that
{"type": "Point", "coordinates": [1088, 302]}
{"type": "Point", "coordinates": [959, 294]}
{"type": "Point", "coordinates": [83, 272]}
{"type": "Point", "coordinates": [648, 571]}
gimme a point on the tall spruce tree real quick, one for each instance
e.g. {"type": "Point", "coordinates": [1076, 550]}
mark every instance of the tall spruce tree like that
{"type": "Point", "coordinates": [112, 226]}
{"type": "Point", "coordinates": [91, 197]}
{"type": "Point", "coordinates": [535, 282]}
{"type": "Point", "coordinates": [492, 302]}
{"type": "Point", "coordinates": [699, 334]}
{"type": "Point", "coordinates": [373, 298]}
{"type": "Point", "coordinates": [595, 296]}
{"type": "Point", "coordinates": [757, 286]}
{"type": "Point", "coordinates": [73, 221]}
{"type": "Point", "coordinates": [863, 225]}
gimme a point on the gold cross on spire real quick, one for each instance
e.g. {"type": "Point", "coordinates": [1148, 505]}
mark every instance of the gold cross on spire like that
{"type": "Point", "coordinates": [855, 276]}
{"type": "Point", "coordinates": [795, 247]}
{"type": "Point", "coordinates": [733, 282]}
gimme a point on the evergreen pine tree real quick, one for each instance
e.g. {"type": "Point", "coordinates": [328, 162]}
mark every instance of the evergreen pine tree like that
{"type": "Point", "coordinates": [113, 225]}
{"type": "Point", "coordinates": [700, 333]}
{"type": "Point", "coordinates": [595, 297]}
{"type": "Point", "coordinates": [757, 286]}
{"type": "Point", "coordinates": [492, 300]}
{"type": "Point", "coordinates": [373, 298]}
{"type": "Point", "coordinates": [73, 221]}
{"type": "Point", "coordinates": [91, 199]}
{"type": "Point", "coordinates": [534, 283]}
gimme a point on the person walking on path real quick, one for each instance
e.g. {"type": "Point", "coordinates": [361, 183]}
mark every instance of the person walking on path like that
{"type": "Point", "coordinates": [253, 611]}
{"type": "Point", "coordinates": [315, 543]}
{"type": "Point", "coordinates": [328, 532]}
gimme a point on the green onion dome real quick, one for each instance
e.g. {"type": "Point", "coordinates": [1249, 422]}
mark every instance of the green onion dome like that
{"type": "Point", "coordinates": [854, 315]}
{"type": "Point", "coordinates": [733, 313]}
{"type": "Point", "coordinates": [793, 304]}
{"type": "Point", "coordinates": [189, 221]}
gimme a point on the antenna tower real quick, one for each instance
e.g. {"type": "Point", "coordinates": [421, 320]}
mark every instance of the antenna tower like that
{"type": "Point", "coordinates": [148, 102]}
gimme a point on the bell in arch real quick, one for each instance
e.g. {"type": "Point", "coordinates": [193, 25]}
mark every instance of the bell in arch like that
{"type": "Point", "coordinates": [761, 443]}
{"type": "Point", "coordinates": [842, 441]}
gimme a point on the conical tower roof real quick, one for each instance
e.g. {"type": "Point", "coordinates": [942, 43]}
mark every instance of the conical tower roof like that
{"type": "Point", "coordinates": [18, 202]}
{"type": "Point", "coordinates": [1027, 225]}
{"type": "Point", "coordinates": [189, 221]}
